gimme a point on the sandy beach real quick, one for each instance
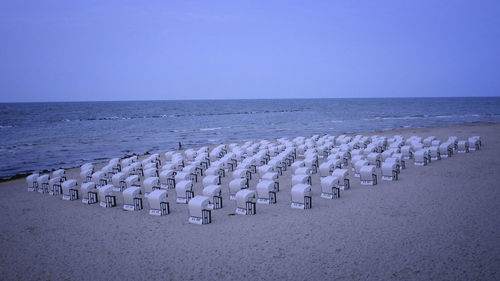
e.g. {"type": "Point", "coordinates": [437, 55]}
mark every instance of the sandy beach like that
{"type": "Point", "coordinates": [438, 222]}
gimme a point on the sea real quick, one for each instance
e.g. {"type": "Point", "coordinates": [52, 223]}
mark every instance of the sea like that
{"type": "Point", "coordinates": [45, 136]}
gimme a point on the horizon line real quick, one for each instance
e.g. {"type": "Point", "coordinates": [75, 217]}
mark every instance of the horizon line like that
{"type": "Point", "coordinates": [242, 99]}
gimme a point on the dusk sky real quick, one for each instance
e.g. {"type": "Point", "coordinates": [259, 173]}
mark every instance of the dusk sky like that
{"type": "Point", "coordinates": [158, 50]}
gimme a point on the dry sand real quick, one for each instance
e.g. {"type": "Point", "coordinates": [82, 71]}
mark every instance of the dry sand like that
{"type": "Point", "coordinates": [439, 222]}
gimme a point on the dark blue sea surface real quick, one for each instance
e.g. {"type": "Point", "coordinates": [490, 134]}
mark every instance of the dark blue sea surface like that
{"type": "Point", "coordinates": [38, 136]}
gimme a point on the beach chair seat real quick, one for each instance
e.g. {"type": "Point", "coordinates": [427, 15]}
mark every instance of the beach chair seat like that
{"type": "Point", "coordinates": [301, 196]}
{"type": "Point", "coordinates": [407, 152]}
{"type": "Point", "coordinates": [151, 172]}
{"type": "Point", "coordinates": [356, 152]}
{"type": "Point", "coordinates": [374, 158]}
{"type": "Point", "coordinates": [330, 187]}
{"type": "Point", "coordinates": [183, 176]}
{"type": "Point", "coordinates": [137, 169]}
{"type": "Point", "coordinates": [146, 165]}
{"type": "Point", "coordinates": [453, 140]}
{"type": "Point", "coordinates": [261, 170]}
{"type": "Point", "coordinates": [168, 155]}
{"type": "Point", "coordinates": [236, 185]}
{"type": "Point", "coordinates": [190, 154]}
{"type": "Point", "coordinates": [132, 180]}
{"type": "Point", "coordinates": [372, 147]}
{"type": "Point", "coordinates": [203, 159]}
{"type": "Point", "coordinates": [446, 149]}
{"type": "Point", "coordinates": [87, 166]}
{"type": "Point", "coordinates": [242, 173]}
{"type": "Point", "coordinates": [158, 205]}
{"type": "Point", "coordinates": [428, 141]}
{"type": "Point", "coordinates": [89, 192]}
{"type": "Point", "coordinates": [86, 175]}
{"type": "Point", "coordinates": [435, 143]}
{"type": "Point", "coordinates": [214, 194]}
{"type": "Point", "coordinates": [132, 201]}
{"type": "Point", "coordinates": [312, 163]}
{"type": "Point", "coordinates": [199, 213]}
{"type": "Point", "coordinates": [167, 179]}
{"type": "Point", "coordinates": [245, 202]}
{"type": "Point", "coordinates": [475, 143]}
{"type": "Point", "coordinates": [99, 178]}
{"type": "Point", "coordinates": [184, 191]}
{"type": "Point", "coordinates": [59, 173]}
{"type": "Point", "coordinates": [326, 168]}
{"type": "Point", "coordinates": [128, 161]}
{"type": "Point", "coordinates": [434, 153]}
{"type": "Point", "coordinates": [108, 172]}
{"type": "Point", "coordinates": [421, 157]}
{"type": "Point", "coordinates": [387, 154]}
{"type": "Point", "coordinates": [195, 170]}
{"type": "Point", "coordinates": [211, 180]}
{"type": "Point", "coordinates": [266, 192]}
{"type": "Point", "coordinates": [70, 190]}
{"type": "Point", "coordinates": [272, 176]}
{"type": "Point", "coordinates": [215, 171]}
{"type": "Point", "coordinates": [118, 181]}
{"type": "Point", "coordinates": [43, 183]}
{"type": "Point", "coordinates": [169, 166]}
{"type": "Point", "coordinates": [106, 197]}
{"type": "Point", "coordinates": [390, 170]}
{"type": "Point", "coordinates": [150, 184]}
{"type": "Point", "coordinates": [177, 161]}
{"type": "Point", "coordinates": [297, 164]}
{"type": "Point", "coordinates": [128, 170]}
{"type": "Point", "coordinates": [367, 175]}
{"type": "Point", "coordinates": [357, 167]}
{"type": "Point", "coordinates": [401, 161]}
{"type": "Point", "coordinates": [463, 146]}
{"type": "Point", "coordinates": [303, 171]}
{"type": "Point", "coordinates": [396, 160]}
{"type": "Point", "coordinates": [355, 159]}
{"type": "Point", "coordinates": [301, 179]}
{"type": "Point", "coordinates": [115, 165]}
{"type": "Point", "coordinates": [55, 185]}
{"type": "Point", "coordinates": [278, 164]}
{"type": "Point", "coordinates": [342, 174]}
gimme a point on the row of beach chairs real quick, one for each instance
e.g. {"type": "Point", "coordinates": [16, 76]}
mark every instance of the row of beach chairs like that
{"type": "Point", "coordinates": [332, 157]}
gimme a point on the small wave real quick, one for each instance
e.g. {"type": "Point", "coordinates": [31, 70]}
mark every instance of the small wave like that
{"type": "Point", "coordinates": [211, 129]}
{"type": "Point", "coordinates": [5, 126]}
{"type": "Point", "coordinates": [106, 118]}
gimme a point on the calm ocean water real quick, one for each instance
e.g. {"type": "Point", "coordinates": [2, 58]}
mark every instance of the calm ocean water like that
{"type": "Point", "coordinates": [38, 136]}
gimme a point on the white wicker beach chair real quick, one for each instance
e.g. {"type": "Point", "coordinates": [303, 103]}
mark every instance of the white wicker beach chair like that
{"type": "Point", "coordinates": [301, 196]}
{"type": "Point", "coordinates": [245, 202]}
{"type": "Point", "coordinates": [214, 194]}
{"type": "Point", "coordinates": [266, 192]}
{"type": "Point", "coordinates": [199, 213]}
{"type": "Point", "coordinates": [236, 185]}
{"type": "Point", "coordinates": [132, 201]}
{"type": "Point", "coordinates": [184, 191]}
{"type": "Point", "coordinates": [367, 175]}
{"type": "Point", "coordinates": [158, 205]}
{"type": "Point", "coordinates": [330, 187]}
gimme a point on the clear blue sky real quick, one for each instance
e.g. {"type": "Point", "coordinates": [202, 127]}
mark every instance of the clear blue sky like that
{"type": "Point", "coordinates": [140, 50]}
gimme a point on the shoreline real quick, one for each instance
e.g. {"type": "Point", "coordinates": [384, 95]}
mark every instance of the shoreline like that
{"type": "Point", "coordinates": [101, 161]}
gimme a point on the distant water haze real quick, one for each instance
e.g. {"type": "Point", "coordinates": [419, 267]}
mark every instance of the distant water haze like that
{"type": "Point", "coordinates": [37, 136]}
